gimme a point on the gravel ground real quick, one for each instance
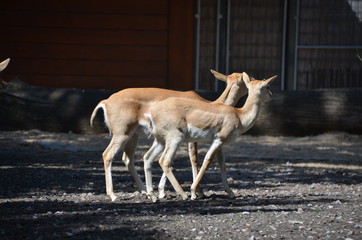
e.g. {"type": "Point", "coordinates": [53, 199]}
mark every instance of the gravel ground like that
{"type": "Point", "coordinates": [52, 187]}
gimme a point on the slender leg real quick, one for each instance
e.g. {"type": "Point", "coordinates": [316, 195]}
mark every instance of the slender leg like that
{"type": "Point", "coordinates": [192, 146]}
{"type": "Point", "coordinates": [128, 159]}
{"type": "Point", "coordinates": [148, 159]}
{"type": "Point", "coordinates": [114, 146]}
{"type": "Point", "coordinates": [165, 162]}
{"type": "Point", "coordinates": [221, 160]}
{"type": "Point", "coordinates": [215, 146]}
{"type": "Point", "coordinates": [161, 186]}
{"type": "Point", "coordinates": [162, 183]}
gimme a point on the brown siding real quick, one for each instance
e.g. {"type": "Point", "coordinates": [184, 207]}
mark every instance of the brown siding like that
{"type": "Point", "coordinates": [88, 44]}
{"type": "Point", "coordinates": [181, 44]}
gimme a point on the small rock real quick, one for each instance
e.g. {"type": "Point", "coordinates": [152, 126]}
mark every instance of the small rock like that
{"type": "Point", "coordinates": [358, 226]}
{"type": "Point", "coordinates": [295, 222]}
{"type": "Point", "coordinates": [69, 234]}
{"type": "Point", "coordinates": [244, 185]}
{"type": "Point", "coordinates": [76, 231]}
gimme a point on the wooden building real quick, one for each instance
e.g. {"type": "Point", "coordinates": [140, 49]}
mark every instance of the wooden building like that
{"type": "Point", "coordinates": [173, 44]}
{"type": "Point", "coordinates": [94, 44]}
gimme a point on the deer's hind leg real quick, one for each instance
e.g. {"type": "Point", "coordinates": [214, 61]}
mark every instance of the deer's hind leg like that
{"type": "Point", "coordinates": [166, 161]}
{"type": "Point", "coordinates": [128, 159]}
{"type": "Point", "coordinates": [116, 144]}
{"type": "Point", "coordinates": [192, 148]}
{"type": "Point", "coordinates": [148, 159]}
{"type": "Point", "coordinates": [221, 160]}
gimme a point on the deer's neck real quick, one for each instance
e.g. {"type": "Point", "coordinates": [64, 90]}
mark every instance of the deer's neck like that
{"type": "Point", "coordinates": [229, 96]}
{"type": "Point", "coordinates": [249, 112]}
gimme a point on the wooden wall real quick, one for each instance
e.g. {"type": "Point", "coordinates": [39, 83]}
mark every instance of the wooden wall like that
{"type": "Point", "coordinates": [92, 44]}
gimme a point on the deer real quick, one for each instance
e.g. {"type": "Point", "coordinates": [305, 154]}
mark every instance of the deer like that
{"type": "Point", "coordinates": [173, 121]}
{"type": "Point", "coordinates": [124, 117]}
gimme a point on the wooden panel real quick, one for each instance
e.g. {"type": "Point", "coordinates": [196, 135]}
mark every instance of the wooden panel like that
{"type": "Point", "coordinates": [126, 68]}
{"type": "Point", "coordinates": [95, 81]}
{"type": "Point", "coordinates": [83, 52]}
{"type": "Point", "coordinates": [83, 36]}
{"type": "Point", "coordinates": [115, 44]}
{"type": "Point", "coordinates": [86, 44]}
{"type": "Point", "coordinates": [83, 20]}
{"type": "Point", "coordinates": [181, 44]}
{"type": "Point", "coordinates": [110, 6]}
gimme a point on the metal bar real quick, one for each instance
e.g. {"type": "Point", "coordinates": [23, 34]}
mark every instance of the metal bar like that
{"type": "Point", "coordinates": [291, 34]}
{"type": "Point", "coordinates": [227, 57]}
{"type": "Point", "coordinates": [284, 45]}
{"type": "Point", "coordinates": [328, 47]}
{"type": "Point", "coordinates": [197, 57]}
{"type": "Point", "coordinates": [217, 43]}
{"type": "Point", "coordinates": [296, 47]}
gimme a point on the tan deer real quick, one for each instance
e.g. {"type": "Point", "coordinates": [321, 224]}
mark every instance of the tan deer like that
{"type": "Point", "coordinates": [124, 116]}
{"type": "Point", "coordinates": [175, 120]}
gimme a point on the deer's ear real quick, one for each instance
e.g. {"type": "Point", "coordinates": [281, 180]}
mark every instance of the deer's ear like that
{"type": "Point", "coordinates": [266, 82]}
{"type": "Point", "coordinates": [4, 63]}
{"type": "Point", "coordinates": [219, 76]}
{"type": "Point", "coordinates": [246, 79]}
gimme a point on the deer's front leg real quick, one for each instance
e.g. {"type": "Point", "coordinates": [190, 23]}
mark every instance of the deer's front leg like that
{"type": "Point", "coordinates": [215, 147]}
{"type": "Point", "coordinates": [221, 160]}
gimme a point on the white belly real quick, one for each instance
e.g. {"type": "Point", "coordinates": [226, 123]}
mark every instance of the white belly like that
{"type": "Point", "coordinates": [199, 135]}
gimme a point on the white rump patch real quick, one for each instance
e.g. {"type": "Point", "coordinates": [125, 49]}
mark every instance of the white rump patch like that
{"type": "Point", "coordinates": [149, 127]}
{"type": "Point", "coordinates": [105, 115]}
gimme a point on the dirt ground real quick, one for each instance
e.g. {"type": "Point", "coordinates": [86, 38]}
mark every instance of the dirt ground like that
{"type": "Point", "coordinates": [52, 187]}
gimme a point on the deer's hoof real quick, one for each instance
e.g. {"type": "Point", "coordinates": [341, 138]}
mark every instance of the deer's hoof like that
{"type": "Point", "coordinates": [152, 197]}
{"type": "Point", "coordinates": [184, 197]}
{"type": "Point", "coordinates": [113, 197]}
{"type": "Point", "coordinates": [161, 193]}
